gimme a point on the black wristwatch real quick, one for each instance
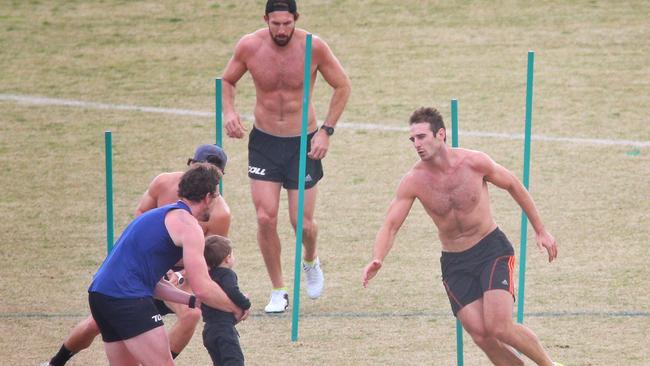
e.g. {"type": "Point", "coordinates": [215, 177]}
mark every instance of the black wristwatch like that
{"type": "Point", "coordinates": [328, 130]}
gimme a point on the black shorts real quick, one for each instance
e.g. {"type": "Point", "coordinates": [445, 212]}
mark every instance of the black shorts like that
{"type": "Point", "coordinates": [488, 265]}
{"type": "Point", "coordinates": [277, 159]}
{"type": "Point", "coordinates": [120, 319]}
{"type": "Point", "coordinates": [162, 307]}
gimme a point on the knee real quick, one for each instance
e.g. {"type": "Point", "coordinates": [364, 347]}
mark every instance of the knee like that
{"type": "Point", "coordinates": [499, 330]}
{"type": "Point", "coordinates": [189, 316]}
{"type": "Point", "coordinates": [90, 327]}
{"type": "Point", "coordinates": [82, 335]}
{"type": "Point", "coordinates": [267, 220]}
{"type": "Point", "coordinates": [480, 337]}
{"type": "Point", "coordinates": [308, 224]}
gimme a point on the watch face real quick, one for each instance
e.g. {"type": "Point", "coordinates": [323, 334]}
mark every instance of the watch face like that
{"type": "Point", "coordinates": [328, 130]}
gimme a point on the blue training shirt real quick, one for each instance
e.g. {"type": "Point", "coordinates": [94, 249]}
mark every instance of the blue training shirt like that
{"type": "Point", "coordinates": [140, 258]}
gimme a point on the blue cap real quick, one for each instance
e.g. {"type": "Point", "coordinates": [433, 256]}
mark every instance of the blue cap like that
{"type": "Point", "coordinates": [208, 153]}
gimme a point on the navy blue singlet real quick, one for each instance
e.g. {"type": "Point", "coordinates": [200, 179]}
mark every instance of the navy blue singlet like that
{"type": "Point", "coordinates": [140, 258]}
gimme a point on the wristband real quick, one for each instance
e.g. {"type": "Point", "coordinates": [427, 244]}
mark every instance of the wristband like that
{"type": "Point", "coordinates": [328, 129]}
{"type": "Point", "coordinates": [192, 303]}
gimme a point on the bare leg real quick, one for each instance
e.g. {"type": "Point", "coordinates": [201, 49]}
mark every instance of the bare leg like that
{"type": "Point", "coordinates": [471, 316]}
{"type": "Point", "coordinates": [309, 227]}
{"type": "Point", "coordinates": [497, 312]}
{"type": "Point", "coordinates": [119, 355]}
{"type": "Point", "coordinates": [186, 320]}
{"type": "Point", "coordinates": [266, 198]}
{"type": "Point", "coordinates": [150, 348]}
{"type": "Point", "coordinates": [82, 335]}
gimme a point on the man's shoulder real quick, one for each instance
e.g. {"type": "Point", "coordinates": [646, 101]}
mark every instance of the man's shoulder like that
{"type": "Point", "coordinates": [166, 178]}
{"type": "Point", "coordinates": [180, 218]}
{"type": "Point", "coordinates": [163, 181]}
{"type": "Point", "coordinates": [416, 171]}
{"type": "Point", "coordinates": [320, 48]}
{"type": "Point", "coordinates": [252, 41]}
{"type": "Point", "coordinates": [473, 158]}
{"type": "Point", "coordinates": [413, 178]}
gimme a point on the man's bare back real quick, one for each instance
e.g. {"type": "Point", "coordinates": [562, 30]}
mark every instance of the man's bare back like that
{"type": "Point", "coordinates": [163, 190]}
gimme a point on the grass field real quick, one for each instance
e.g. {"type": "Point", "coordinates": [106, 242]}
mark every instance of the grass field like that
{"type": "Point", "coordinates": [590, 165]}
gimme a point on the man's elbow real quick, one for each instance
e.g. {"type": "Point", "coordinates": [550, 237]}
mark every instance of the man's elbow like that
{"type": "Point", "coordinates": [201, 293]}
{"type": "Point", "coordinates": [229, 82]}
{"type": "Point", "coordinates": [345, 88]}
{"type": "Point", "coordinates": [200, 289]}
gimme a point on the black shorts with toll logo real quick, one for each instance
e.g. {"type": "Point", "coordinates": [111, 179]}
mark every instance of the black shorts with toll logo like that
{"type": "Point", "coordinates": [277, 159]}
{"type": "Point", "coordinates": [120, 319]}
{"type": "Point", "coordinates": [488, 265]}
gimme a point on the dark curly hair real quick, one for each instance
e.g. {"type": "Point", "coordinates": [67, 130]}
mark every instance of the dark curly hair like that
{"type": "Point", "coordinates": [200, 179]}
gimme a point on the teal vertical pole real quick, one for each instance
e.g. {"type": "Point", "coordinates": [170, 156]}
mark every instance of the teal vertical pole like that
{"type": "Point", "coordinates": [219, 119]}
{"type": "Point", "coordinates": [524, 218]}
{"type": "Point", "coordinates": [109, 190]}
{"type": "Point", "coordinates": [454, 123]}
{"type": "Point", "coordinates": [301, 190]}
{"type": "Point", "coordinates": [454, 143]}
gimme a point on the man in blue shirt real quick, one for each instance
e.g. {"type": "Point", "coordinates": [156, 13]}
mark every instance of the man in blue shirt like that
{"type": "Point", "coordinates": [162, 190]}
{"type": "Point", "coordinates": [122, 293]}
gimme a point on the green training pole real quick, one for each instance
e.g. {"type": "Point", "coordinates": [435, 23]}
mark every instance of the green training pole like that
{"type": "Point", "coordinates": [524, 218]}
{"type": "Point", "coordinates": [295, 314]}
{"type": "Point", "coordinates": [454, 143]}
{"type": "Point", "coordinates": [109, 190]}
{"type": "Point", "coordinates": [218, 126]}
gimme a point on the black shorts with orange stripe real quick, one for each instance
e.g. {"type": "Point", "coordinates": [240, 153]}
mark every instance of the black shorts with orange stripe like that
{"type": "Point", "coordinates": [488, 265]}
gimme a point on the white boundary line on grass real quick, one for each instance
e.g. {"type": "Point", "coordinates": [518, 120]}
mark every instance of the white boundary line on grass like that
{"type": "Point", "coordinates": [36, 100]}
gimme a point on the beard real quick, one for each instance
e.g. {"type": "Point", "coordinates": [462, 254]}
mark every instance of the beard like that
{"type": "Point", "coordinates": [281, 40]}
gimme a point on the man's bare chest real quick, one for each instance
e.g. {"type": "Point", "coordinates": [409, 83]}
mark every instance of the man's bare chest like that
{"type": "Point", "coordinates": [272, 71]}
{"type": "Point", "coordinates": [457, 193]}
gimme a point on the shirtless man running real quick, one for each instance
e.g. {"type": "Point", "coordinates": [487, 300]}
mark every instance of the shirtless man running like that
{"type": "Point", "coordinates": [477, 258]}
{"type": "Point", "coordinates": [275, 58]}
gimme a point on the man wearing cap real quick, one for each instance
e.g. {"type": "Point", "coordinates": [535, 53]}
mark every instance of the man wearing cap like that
{"type": "Point", "coordinates": [163, 190]}
{"type": "Point", "coordinates": [275, 58]}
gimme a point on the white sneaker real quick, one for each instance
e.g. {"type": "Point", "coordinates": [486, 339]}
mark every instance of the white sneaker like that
{"type": "Point", "coordinates": [315, 279]}
{"type": "Point", "coordinates": [278, 303]}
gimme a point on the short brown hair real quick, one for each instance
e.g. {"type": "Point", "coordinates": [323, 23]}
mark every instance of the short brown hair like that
{"type": "Point", "coordinates": [217, 248]}
{"type": "Point", "coordinates": [198, 181]}
{"type": "Point", "coordinates": [428, 115]}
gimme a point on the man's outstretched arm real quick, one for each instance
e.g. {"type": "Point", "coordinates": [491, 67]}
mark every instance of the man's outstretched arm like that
{"type": "Point", "coordinates": [398, 210]}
